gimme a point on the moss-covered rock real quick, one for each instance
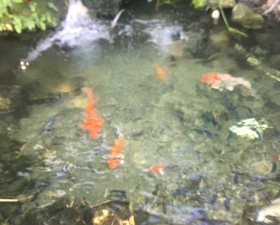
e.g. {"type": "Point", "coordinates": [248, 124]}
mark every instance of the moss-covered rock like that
{"type": "Point", "coordinates": [246, 17]}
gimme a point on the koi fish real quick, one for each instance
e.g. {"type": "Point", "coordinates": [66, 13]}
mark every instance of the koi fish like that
{"type": "Point", "coordinates": [225, 81]}
{"type": "Point", "coordinates": [160, 72]}
{"type": "Point", "coordinates": [210, 78]}
{"type": "Point", "coordinates": [157, 168]}
{"type": "Point", "coordinates": [92, 123]}
{"type": "Point", "coordinates": [113, 160]}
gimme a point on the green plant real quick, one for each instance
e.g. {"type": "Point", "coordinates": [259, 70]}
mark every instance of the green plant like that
{"type": "Point", "coordinates": [198, 3]}
{"type": "Point", "coordinates": [235, 32]}
{"type": "Point", "coordinates": [15, 15]}
{"type": "Point", "coordinates": [167, 2]}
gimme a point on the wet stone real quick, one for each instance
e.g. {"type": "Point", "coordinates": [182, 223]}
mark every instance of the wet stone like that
{"type": "Point", "coordinates": [262, 167]}
{"type": "Point", "coordinates": [246, 17]}
{"type": "Point", "coordinates": [176, 49]}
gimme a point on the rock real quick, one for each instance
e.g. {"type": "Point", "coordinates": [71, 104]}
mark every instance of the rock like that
{"type": "Point", "coordinates": [266, 41]}
{"type": "Point", "coordinates": [106, 9]}
{"type": "Point", "coordinates": [5, 104]}
{"type": "Point", "coordinates": [246, 17]}
{"type": "Point", "coordinates": [219, 39]}
{"type": "Point", "coordinates": [9, 97]}
{"type": "Point", "coordinates": [176, 49]}
{"type": "Point", "coordinates": [262, 167]}
{"type": "Point", "coordinates": [273, 61]}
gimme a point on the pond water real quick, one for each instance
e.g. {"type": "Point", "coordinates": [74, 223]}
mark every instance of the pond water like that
{"type": "Point", "coordinates": [146, 79]}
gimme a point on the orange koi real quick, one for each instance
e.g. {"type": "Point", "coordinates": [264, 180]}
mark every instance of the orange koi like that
{"type": "Point", "coordinates": [92, 123]}
{"type": "Point", "coordinates": [160, 72]}
{"type": "Point", "coordinates": [157, 167]}
{"type": "Point", "coordinates": [113, 160]}
{"type": "Point", "coordinates": [223, 81]}
{"type": "Point", "coordinates": [210, 78]}
{"type": "Point", "coordinates": [117, 147]}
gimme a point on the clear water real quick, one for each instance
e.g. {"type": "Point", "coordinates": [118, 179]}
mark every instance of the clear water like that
{"type": "Point", "coordinates": [163, 122]}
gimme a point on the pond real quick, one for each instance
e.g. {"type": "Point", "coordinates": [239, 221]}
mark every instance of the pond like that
{"type": "Point", "coordinates": [197, 113]}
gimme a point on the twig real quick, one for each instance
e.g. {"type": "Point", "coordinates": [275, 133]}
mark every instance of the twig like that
{"type": "Point", "coordinates": [101, 203]}
{"type": "Point", "coordinates": [16, 199]}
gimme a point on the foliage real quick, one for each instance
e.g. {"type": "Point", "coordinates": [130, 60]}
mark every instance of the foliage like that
{"type": "Point", "coordinates": [167, 2]}
{"type": "Point", "coordinates": [16, 15]}
{"type": "Point", "coordinates": [198, 3]}
{"type": "Point", "coordinates": [235, 32]}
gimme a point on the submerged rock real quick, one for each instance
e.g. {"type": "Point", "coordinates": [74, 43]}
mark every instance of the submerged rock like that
{"type": "Point", "coordinates": [176, 49]}
{"type": "Point", "coordinates": [246, 17]}
{"type": "Point", "coordinates": [262, 167]}
{"type": "Point", "coordinates": [5, 103]}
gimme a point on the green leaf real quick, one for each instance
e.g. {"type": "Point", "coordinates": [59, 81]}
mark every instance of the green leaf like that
{"type": "Point", "coordinates": [48, 17]}
{"type": "Point", "coordinates": [35, 18]}
{"type": "Point", "coordinates": [4, 3]}
{"type": "Point", "coordinates": [43, 17]}
{"type": "Point", "coordinates": [9, 27]}
{"type": "Point", "coordinates": [52, 6]}
{"type": "Point", "coordinates": [42, 25]}
{"type": "Point", "coordinates": [32, 6]}
{"type": "Point", "coordinates": [54, 22]}
{"type": "Point", "coordinates": [17, 1]}
{"type": "Point", "coordinates": [17, 24]}
{"type": "Point", "coordinates": [198, 3]}
{"type": "Point", "coordinates": [30, 24]}
{"type": "Point", "coordinates": [18, 27]}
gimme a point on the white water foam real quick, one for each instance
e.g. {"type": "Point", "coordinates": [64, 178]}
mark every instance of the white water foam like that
{"type": "Point", "coordinates": [162, 33]}
{"type": "Point", "coordinates": [77, 29]}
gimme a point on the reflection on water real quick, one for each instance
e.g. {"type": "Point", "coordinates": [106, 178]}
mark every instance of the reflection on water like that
{"type": "Point", "coordinates": [212, 176]}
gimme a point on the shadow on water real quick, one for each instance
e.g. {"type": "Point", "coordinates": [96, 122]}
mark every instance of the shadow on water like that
{"type": "Point", "coordinates": [182, 163]}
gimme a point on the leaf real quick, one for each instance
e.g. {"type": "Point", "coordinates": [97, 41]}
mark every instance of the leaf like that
{"type": "Point", "coordinates": [5, 3]}
{"type": "Point", "coordinates": [17, 1]}
{"type": "Point", "coordinates": [9, 27]}
{"type": "Point", "coordinates": [42, 25]}
{"type": "Point", "coordinates": [54, 22]}
{"type": "Point", "coordinates": [30, 24]}
{"type": "Point", "coordinates": [48, 17]}
{"type": "Point", "coordinates": [35, 18]}
{"type": "Point", "coordinates": [32, 6]}
{"type": "Point", "coordinates": [17, 24]}
{"type": "Point", "coordinates": [198, 3]}
{"type": "Point", "coordinates": [18, 27]}
{"type": "Point", "coordinates": [52, 6]}
{"type": "Point", "coordinates": [43, 17]}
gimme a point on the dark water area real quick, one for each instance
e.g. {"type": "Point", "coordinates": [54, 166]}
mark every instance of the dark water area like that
{"type": "Point", "coordinates": [198, 149]}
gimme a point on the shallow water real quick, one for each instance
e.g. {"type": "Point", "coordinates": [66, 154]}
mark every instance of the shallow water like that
{"type": "Point", "coordinates": [166, 121]}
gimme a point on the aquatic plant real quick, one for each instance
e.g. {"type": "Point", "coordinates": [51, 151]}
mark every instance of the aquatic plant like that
{"type": "Point", "coordinates": [19, 15]}
{"type": "Point", "coordinates": [198, 3]}
{"type": "Point", "coordinates": [173, 3]}
{"type": "Point", "coordinates": [235, 32]}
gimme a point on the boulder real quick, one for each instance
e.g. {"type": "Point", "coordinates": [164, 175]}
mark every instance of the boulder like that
{"type": "Point", "coordinates": [246, 17]}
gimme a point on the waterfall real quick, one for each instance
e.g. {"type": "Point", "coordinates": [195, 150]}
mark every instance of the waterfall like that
{"type": "Point", "coordinates": [77, 29]}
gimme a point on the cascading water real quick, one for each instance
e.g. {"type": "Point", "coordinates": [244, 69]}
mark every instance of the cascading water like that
{"type": "Point", "coordinates": [77, 29]}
